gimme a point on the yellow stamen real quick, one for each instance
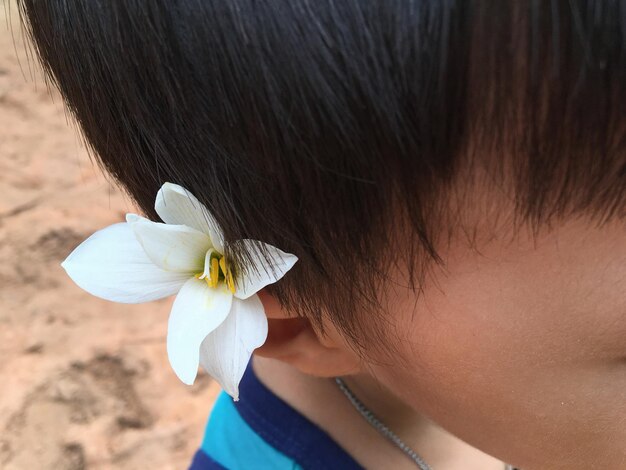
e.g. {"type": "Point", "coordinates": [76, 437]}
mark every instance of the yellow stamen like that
{"type": "Point", "coordinates": [223, 265]}
{"type": "Point", "coordinates": [230, 282]}
{"type": "Point", "coordinates": [228, 275]}
{"type": "Point", "coordinates": [218, 267]}
{"type": "Point", "coordinates": [215, 272]}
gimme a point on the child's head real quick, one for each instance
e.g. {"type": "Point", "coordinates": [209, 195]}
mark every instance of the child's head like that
{"type": "Point", "coordinates": [450, 174]}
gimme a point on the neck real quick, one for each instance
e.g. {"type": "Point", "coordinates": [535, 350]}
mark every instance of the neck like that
{"type": "Point", "coordinates": [321, 401]}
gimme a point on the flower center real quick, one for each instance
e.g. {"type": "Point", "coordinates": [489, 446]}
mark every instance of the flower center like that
{"type": "Point", "coordinates": [219, 270]}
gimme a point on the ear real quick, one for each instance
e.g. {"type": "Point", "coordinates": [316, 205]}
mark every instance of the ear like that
{"type": "Point", "coordinates": [295, 342]}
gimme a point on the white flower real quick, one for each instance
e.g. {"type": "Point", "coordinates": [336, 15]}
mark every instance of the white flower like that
{"type": "Point", "coordinates": [217, 319]}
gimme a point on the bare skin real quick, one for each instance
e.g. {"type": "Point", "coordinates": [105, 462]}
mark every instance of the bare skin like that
{"type": "Point", "coordinates": [518, 348]}
{"type": "Point", "coordinates": [320, 400]}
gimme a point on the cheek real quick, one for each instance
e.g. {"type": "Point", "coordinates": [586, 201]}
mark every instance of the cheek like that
{"type": "Point", "coordinates": [500, 355]}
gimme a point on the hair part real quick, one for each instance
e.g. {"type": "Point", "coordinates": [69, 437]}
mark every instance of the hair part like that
{"type": "Point", "coordinates": [334, 129]}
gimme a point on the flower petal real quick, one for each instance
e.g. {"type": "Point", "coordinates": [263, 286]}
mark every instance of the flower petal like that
{"type": "Point", "coordinates": [177, 206]}
{"type": "Point", "coordinates": [197, 311]}
{"type": "Point", "coordinates": [225, 353]}
{"type": "Point", "coordinates": [112, 265]}
{"type": "Point", "coordinates": [267, 265]}
{"type": "Point", "coordinates": [172, 247]}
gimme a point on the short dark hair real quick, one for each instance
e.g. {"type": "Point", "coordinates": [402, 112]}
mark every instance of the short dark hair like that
{"type": "Point", "coordinates": [326, 127]}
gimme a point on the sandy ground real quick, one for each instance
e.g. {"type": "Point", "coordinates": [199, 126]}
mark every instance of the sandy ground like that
{"type": "Point", "coordinates": [84, 383]}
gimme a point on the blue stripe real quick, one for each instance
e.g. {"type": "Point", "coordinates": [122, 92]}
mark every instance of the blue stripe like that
{"type": "Point", "coordinates": [288, 431]}
{"type": "Point", "coordinates": [201, 461]}
{"type": "Point", "coordinates": [234, 445]}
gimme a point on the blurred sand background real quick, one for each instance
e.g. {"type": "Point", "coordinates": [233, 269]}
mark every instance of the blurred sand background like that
{"type": "Point", "coordinates": [84, 383]}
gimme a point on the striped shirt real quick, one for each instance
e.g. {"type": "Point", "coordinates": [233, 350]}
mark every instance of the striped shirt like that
{"type": "Point", "coordinates": [261, 431]}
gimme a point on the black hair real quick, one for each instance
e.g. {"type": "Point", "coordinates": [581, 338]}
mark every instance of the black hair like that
{"type": "Point", "coordinates": [333, 129]}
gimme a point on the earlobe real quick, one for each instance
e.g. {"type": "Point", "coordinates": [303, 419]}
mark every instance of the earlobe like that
{"type": "Point", "coordinates": [295, 342]}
